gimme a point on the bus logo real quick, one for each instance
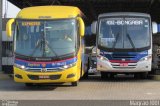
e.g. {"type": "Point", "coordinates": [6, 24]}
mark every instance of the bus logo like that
{"type": "Point", "coordinates": [44, 70]}
{"type": "Point", "coordinates": [43, 65]}
{"type": "Point", "coordinates": [123, 59]}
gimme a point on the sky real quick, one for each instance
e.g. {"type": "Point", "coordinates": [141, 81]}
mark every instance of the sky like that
{"type": "Point", "coordinates": [12, 10]}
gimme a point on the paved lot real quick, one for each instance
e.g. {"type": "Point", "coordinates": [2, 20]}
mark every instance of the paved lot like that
{"type": "Point", "coordinates": [92, 89]}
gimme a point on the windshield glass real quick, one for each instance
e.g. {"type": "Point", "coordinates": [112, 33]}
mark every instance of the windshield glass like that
{"type": "Point", "coordinates": [45, 38]}
{"type": "Point", "coordinates": [124, 33]}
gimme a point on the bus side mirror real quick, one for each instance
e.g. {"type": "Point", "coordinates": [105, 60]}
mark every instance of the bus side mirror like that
{"type": "Point", "coordinates": [94, 27]}
{"type": "Point", "coordinates": [9, 27]}
{"type": "Point", "coordinates": [154, 27]}
{"type": "Point", "coordinates": [81, 26]}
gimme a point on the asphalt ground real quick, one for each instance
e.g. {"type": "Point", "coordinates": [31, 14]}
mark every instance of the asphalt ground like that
{"type": "Point", "coordinates": [93, 88]}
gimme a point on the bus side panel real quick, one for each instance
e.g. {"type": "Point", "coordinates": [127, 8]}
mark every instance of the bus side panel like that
{"type": "Point", "coordinates": [84, 57]}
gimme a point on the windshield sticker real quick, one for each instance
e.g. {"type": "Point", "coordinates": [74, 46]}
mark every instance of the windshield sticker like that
{"type": "Point", "coordinates": [30, 23]}
{"type": "Point", "coordinates": [124, 22]}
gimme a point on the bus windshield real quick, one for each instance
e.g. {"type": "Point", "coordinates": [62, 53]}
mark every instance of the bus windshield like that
{"type": "Point", "coordinates": [124, 33]}
{"type": "Point", "coordinates": [45, 38]}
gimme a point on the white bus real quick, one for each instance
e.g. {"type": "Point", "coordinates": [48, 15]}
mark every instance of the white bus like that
{"type": "Point", "coordinates": [124, 43]}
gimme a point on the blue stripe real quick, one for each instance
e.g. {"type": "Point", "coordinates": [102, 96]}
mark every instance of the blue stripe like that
{"type": "Point", "coordinates": [48, 65]}
{"type": "Point", "coordinates": [136, 55]}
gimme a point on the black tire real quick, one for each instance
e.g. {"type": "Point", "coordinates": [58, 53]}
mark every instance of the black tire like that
{"type": "Point", "coordinates": [86, 73]}
{"type": "Point", "coordinates": [104, 75]}
{"type": "Point", "coordinates": [144, 75]}
{"type": "Point", "coordinates": [155, 59]}
{"type": "Point", "coordinates": [151, 72]}
{"type": "Point", "coordinates": [112, 75]}
{"type": "Point", "coordinates": [74, 83]}
{"type": "Point", "coordinates": [137, 75]}
{"type": "Point", "coordinates": [155, 72]}
{"type": "Point", "coordinates": [29, 84]}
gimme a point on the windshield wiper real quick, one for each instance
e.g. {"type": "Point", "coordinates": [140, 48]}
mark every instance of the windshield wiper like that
{"type": "Point", "coordinates": [43, 44]}
{"type": "Point", "coordinates": [131, 42]}
{"type": "Point", "coordinates": [46, 44]}
{"type": "Point", "coordinates": [35, 49]}
{"type": "Point", "coordinates": [117, 37]}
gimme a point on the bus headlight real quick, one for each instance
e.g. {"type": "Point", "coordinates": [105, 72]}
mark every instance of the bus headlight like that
{"type": "Point", "coordinates": [147, 58]}
{"type": "Point", "coordinates": [20, 66]}
{"type": "Point", "coordinates": [23, 67]}
{"type": "Point", "coordinates": [68, 66]}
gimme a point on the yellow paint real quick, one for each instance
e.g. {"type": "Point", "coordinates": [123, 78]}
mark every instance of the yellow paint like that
{"type": "Point", "coordinates": [49, 12]}
{"type": "Point", "coordinates": [63, 73]}
{"type": "Point", "coordinates": [52, 12]}
{"type": "Point", "coordinates": [81, 26]}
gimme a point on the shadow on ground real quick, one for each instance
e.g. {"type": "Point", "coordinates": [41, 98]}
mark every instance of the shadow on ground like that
{"type": "Point", "coordinates": [10, 85]}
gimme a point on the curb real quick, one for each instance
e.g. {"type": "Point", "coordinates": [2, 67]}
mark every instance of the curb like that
{"type": "Point", "coordinates": [5, 76]}
{"type": "Point", "coordinates": [154, 77]}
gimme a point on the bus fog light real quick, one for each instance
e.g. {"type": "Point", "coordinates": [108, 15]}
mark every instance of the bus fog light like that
{"type": "Point", "coordinates": [70, 75]}
{"type": "Point", "coordinates": [18, 76]}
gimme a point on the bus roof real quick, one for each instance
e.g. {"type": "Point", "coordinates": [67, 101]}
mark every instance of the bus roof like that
{"type": "Point", "coordinates": [124, 14]}
{"type": "Point", "coordinates": [49, 12]}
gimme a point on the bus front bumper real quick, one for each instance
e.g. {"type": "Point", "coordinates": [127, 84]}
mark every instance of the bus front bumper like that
{"type": "Point", "coordinates": [69, 75]}
{"type": "Point", "coordinates": [106, 66]}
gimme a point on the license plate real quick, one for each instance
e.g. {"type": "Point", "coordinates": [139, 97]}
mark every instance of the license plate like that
{"type": "Point", "coordinates": [124, 64]}
{"type": "Point", "coordinates": [43, 77]}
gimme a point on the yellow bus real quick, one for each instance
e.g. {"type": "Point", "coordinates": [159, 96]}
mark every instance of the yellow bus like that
{"type": "Point", "coordinates": [48, 45]}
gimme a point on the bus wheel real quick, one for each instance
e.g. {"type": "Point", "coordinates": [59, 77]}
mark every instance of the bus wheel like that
{"type": "Point", "coordinates": [112, 75]}
{"type": "Point", "coordinates": [29, 84]}
{"type": "Point", "coordinates": [104, 75]}
{"type": "Point", "coordinates": [74, 83]}
{"type": "Point", "coordinates": [137, 75]}
{"type": "Point", "coordinates": [155, 72]}
{"type": "Point", "coordinates": [144, 75]}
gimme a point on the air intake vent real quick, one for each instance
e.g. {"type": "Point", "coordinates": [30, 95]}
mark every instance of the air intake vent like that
{"type": "Point", "coordinates": [125, 56]}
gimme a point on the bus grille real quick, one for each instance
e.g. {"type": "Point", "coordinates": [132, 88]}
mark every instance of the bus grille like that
{"type": "Point", "coordinates": [123, 56]}
{"type": "Point", "coordinates": [51, 77]}
{"type": "Point", "coordinates": [47, 70]}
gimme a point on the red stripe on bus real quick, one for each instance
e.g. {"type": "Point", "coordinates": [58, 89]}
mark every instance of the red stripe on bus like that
{"type": "Point", "coordinates": [44, 62]}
